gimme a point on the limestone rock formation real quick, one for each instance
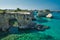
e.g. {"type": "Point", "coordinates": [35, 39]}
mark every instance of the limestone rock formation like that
{"type": "Point", "coordinates": [42, 14]}
{"type": "Point", "coordinates": [41, 27]}
{"type": "Point", "coordinates": [49, 15]}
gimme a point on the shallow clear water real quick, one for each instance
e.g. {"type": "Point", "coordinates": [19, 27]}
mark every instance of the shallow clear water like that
{"type": "Point", "coordinates": [50, 34]}
{"type": "Point", "coordinates": [53, 23]}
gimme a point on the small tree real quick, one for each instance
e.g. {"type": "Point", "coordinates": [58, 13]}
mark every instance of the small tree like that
{"type": "Point", "coordinates": [18, 9]}
{"type": "Point", "coordinates": [4, 11]}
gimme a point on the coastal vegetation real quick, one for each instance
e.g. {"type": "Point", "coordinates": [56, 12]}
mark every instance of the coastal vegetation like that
{"type": "Point", "coordinates": [24, 10]}
{"type": "Point", "coordinates": [13, 10]}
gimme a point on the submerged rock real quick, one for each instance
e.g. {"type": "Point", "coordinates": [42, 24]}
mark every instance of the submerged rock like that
{"type": "Point", "coordinates": [13, 30]}
{"type": "Point", "coordinates": [36, 27]}
{"type": "Point", "coordinates": [41, 27]}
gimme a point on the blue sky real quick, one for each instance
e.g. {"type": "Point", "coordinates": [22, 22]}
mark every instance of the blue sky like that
{"type": "Point", "coordinates": [30, 4]}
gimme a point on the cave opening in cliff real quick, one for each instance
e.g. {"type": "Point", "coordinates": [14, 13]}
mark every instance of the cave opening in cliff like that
{"type": "Point", "coordinates": [13, 22]}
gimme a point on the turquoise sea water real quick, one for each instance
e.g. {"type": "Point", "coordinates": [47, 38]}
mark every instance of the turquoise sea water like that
{"type": "Point", "coordinates": [53, 23]}
{"type": "Point", "coordinates": [50, 34]}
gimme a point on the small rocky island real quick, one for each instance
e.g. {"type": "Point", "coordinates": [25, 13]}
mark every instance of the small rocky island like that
{"type": "Point", "coordinates": [45, 13]}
